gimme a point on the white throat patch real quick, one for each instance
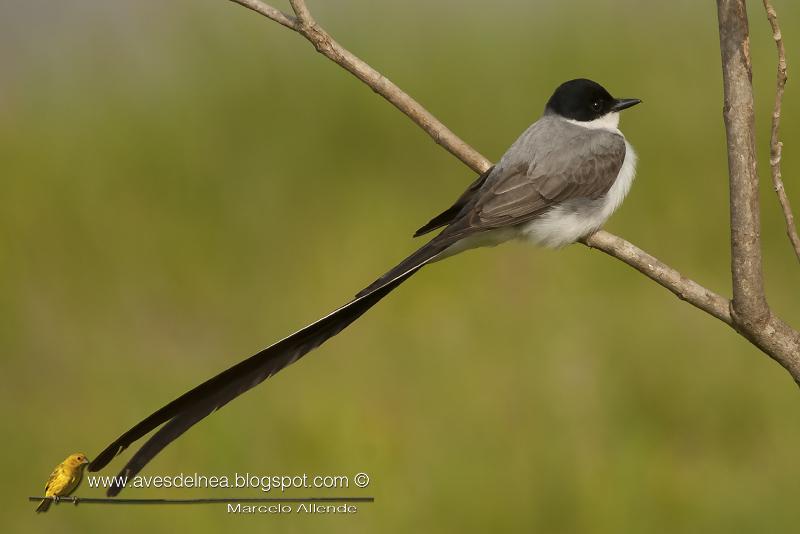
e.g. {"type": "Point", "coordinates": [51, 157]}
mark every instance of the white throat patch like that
{"type": "Point", "coordinates": [609, 121]}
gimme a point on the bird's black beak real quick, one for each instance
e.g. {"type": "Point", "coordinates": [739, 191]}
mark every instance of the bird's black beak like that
{"type": "Point", "coordinates": [625, 103]}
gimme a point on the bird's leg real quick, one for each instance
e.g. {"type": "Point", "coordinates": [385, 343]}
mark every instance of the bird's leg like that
{"type": "Point", "coordinates": [56, 499]}
{"type": "Point", "coordinates": [75, 501]}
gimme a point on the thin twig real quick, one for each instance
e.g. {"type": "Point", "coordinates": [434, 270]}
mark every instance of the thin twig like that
{"type": "Point", "coordinates": [301, 10]}
{"type": "Point", "coordinates": [776, 146]}
{"type": "Point", "coordinates": [270, 12]}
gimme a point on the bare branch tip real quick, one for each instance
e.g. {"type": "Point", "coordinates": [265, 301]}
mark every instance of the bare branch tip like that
{"type": "Point", "coordinates": [776, 145]}
{"type": "Point", "coordinates": [303, 13]}
{"type": "Point", "coordinates": [270, 12]}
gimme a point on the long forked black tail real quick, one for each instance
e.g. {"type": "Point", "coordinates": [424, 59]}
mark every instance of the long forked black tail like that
{"type": "Point", "coordinates": [191, 407]}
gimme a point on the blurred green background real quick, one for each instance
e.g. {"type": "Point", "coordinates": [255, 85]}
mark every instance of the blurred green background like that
{"type": "Point", "coordinates": [185, 182]}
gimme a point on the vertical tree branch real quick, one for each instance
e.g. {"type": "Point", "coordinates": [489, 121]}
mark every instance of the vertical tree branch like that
{"type": "Point", "coordinates": [749, 305]}
{"type": "Point", "coordinates": [776, 146]}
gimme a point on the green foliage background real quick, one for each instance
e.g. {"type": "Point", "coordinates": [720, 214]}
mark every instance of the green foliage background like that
{"type": "Point", "coordinates": [183, 183]}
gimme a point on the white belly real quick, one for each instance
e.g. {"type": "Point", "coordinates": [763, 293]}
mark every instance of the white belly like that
{"type": "Point", "coordinates": [573, 219]}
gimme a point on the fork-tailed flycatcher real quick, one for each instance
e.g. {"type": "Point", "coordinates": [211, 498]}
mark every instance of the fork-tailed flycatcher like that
{"type": "Point", "coordinates": [560, 181]}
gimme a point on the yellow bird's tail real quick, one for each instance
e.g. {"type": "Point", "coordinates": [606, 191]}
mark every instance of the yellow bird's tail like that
{"type": "Point", "coordinates": [44, 505]}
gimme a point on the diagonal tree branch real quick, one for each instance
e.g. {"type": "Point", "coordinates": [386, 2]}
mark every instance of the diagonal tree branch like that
{"type": "Point", "coordinates": [306, 26]}
{"type": "Point", "coordinates": [776, 146]}
{"type": "Point", "coordinates": [661, 273]}
{"type": "Point", "coordinates": [749, 315]}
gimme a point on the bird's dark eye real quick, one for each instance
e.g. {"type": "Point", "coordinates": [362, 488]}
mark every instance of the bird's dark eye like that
{"type": "Point", "coordinates": [596, 106]}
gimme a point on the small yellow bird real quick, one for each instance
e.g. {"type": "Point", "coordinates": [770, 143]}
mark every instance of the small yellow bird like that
{"type": "Point", "coordinates": [64, 479]}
